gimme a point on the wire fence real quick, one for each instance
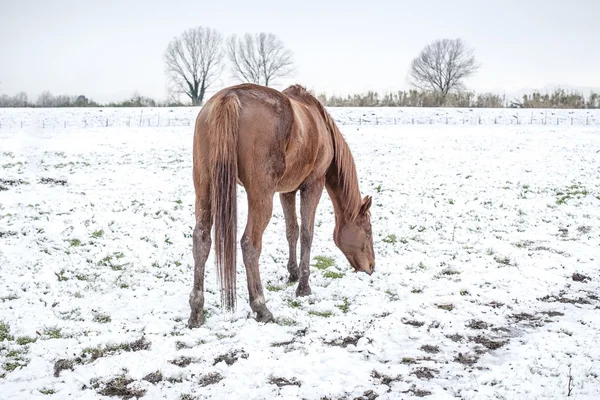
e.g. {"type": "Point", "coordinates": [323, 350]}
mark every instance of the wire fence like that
{"type": "Point", "coordinates": [342, 116]}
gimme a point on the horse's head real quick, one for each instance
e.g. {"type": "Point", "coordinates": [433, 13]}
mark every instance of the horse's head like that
{"type": "Point", "coordinates": [355, 240]}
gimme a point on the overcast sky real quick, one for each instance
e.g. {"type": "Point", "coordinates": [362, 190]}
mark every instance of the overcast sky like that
{"type": "Point", "coordinates": [109, 49]}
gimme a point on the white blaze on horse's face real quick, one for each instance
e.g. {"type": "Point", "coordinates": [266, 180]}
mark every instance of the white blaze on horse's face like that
{"type": "Point", "coordinates": [355, 240]}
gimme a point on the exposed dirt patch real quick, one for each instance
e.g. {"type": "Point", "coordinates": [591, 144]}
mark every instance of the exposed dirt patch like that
{"type": "Point", "coordinates": [561, 299]}
{"type": "Point", "coordinates": [552, 314]}
{"type": "Point", "coordinates": [455, 337]}
{"type": "Point", "coordinates": [385, 379]}
{"type": "Point", "coordinates": [5, 183]}
{"type": "Point", "coordinates": [231, 357]}
{"type": "Point", "coordinates": [7, 234]}
{"type": "Point", "coordinates": [344, 342]}
{"type": "Point", "coordinates": [548, 249]}
{"type": "Point", "coordinates": [487, 342]}
{"type": "Point", "coordinates": [466, 359]}
{"type": "Point", "coordinates": [417, 324]}
{"type": "Point", "coordinates": [577, 277]}
{"type": "Point", "coordinates": [418, 392]}
{"type": "Point", "coordinates": [477, 324]}
{"type": "Point", "coordinates": [368, 395]}
{"type": "Point", "coordinates": [181, 361]}
{"type": "Point", "coordinates": [283, 344]}
{"type": "Point", "coordinates": [430, 349]}
{"type": "Point", "coordinates": [90, 355]}
{"type": "Point", "coordinates": [210, 379]}
{"type": "Point", "coordinates": [424, 373]}
{"type": "Point", "coordinates": [52, 181]}
{"type": "Point", "coordinates": [61, 365]}
{"type": "Point", "coordinates": [154, 377]}
{"type": "Point", "coordinates": [530, 319]}
{"type": "Point", "coordinates": [281, 382]}
{"type": "Point", "coordinates": [119, 386]}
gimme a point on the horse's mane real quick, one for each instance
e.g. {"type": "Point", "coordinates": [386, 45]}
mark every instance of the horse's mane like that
{"type": "Point", "coordinates": [342, 158]}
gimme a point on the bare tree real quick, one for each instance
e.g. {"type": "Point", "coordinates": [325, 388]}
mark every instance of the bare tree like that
{"type": "Point", "coordinates": [260, 58]}
{"type": "Point", "coordinates": [194, 61]}
{"type": "Point", "coordinates": [442, 66]}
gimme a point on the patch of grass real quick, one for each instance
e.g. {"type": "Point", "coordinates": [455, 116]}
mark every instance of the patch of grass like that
{"type": "Point", "coordinates": [98, 234]}
{"type": "Point", "coordinates": [464, 292]}
{"type": "Point", "coordinates": [75, 242]}
{"type": "Point", "coordinates": [286, 322]}
{"type": "Point", "coordinates": [119, 386]}
{"type": "Point", "coordinates": [447, 307]}
{"type": "Point", "coordinates": [272, 288]}
{"type": "Point", "coordinates": [490, 251]}
{"type": "Point", "coordinates": [345, 306]}
{"type": "Point", "coordinates": [408, 360]}
{"type": "Point", "coordinates": [416, 291]}
{"type": "Point", "coordinates": [53, 332]}
{"type": "Point", "coordinates": [378, 188]}
{"type": "Point", "coordinates": [504, 261]}
{"type": "Point", "coordinates": [47, 392]}
{"type": "Point", "coordinates": [294, 303]}
{"type": "Point", "coordinates": [451, 201]}
{"type": "Point", "coordinates": [108, 262]}
{"type": "Point", "coordinates": [10, 297]}
{"type": "Point", "coordinates": [61, 276]}
{"type": "Point", "coordinates": [449, 272]}
{"type": "Point", "coordinates": [324, 314]}
{"type": "Point", "coordinates": [391, 239]}
{"type": "Point", "coordinates": [570, 192]}
{"type": "Point", "coordinates": [15, 359]}
{"type": "Point", "coordinates": [24, 340]}
{"type": "Point", "coordinates": [333, 275]}
{"type": "Point", "coordinates": [102, 318]}
{"type": "Point", "coordinates": [5, 331]}
{"type": "Point", "coordinates": [323, 262]}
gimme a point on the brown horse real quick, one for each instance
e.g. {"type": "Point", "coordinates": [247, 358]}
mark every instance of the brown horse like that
{"type": "Point", "coordinates": [270, 142]}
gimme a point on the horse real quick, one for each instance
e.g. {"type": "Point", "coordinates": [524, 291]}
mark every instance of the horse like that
{"type": "Point", "coordinates": [270, 142]}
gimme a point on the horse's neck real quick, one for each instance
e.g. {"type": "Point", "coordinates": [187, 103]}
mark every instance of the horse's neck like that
{"type": "Point", "coordinates": [344, 204]}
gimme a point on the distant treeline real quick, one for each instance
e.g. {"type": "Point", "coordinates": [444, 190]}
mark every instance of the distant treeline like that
{"type": "Point", "coordinates": [47, 99]}
{"type": "Point", "coordinates": [412, 98]}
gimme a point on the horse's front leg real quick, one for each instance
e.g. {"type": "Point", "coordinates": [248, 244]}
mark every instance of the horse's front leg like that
{"type": "Point", "coordinates": [309, 200]}
{"type": "Point", "coordinates": [288, 203]}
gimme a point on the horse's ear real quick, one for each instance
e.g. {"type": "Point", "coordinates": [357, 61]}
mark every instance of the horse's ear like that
{"type": "Point", "coordinates": [366, 205]}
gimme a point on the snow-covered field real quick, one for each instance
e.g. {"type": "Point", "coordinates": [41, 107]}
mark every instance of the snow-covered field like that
{"type": "Point", "coordinates": [487, 241]}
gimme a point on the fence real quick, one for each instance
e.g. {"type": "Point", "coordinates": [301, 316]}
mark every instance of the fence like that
{"type": "Point", "coordinates": [343, 116]}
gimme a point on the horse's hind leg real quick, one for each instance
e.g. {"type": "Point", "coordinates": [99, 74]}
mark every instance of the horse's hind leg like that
{"type": "Point", "coordinates": [260, 207]}
{"type": "Point", "coordinates": [201, 243]}
{"type": "Point", "coordinates": [288, 203]}
{"type": "Point", "coordinates": [309, 200]}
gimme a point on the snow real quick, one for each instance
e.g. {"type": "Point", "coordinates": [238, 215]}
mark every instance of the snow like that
{"type": "Point", "coordinates": [476, 225]}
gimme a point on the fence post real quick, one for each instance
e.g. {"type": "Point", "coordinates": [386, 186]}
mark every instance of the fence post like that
{"type": "Point", "coordinates": [107, 122]}
{"type": "Point", "coordinates": [21, 124]}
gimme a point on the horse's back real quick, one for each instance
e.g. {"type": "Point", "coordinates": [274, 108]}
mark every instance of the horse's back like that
{"type": "Point", "coordinates": [281, 139]}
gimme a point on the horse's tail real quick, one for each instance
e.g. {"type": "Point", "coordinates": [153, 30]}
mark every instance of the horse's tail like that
{"type": "Point", "coordinates": [223, 134]}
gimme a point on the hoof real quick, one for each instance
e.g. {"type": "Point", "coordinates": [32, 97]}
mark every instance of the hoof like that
{"type": "Point", "coordinates": [293, 278]}
{"type": "Point", "coordinates": [196, 321]}
{"type": "Point", "coordinates": [302, 291]}
{"type": "Point", "coordinates": [264, 316]}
